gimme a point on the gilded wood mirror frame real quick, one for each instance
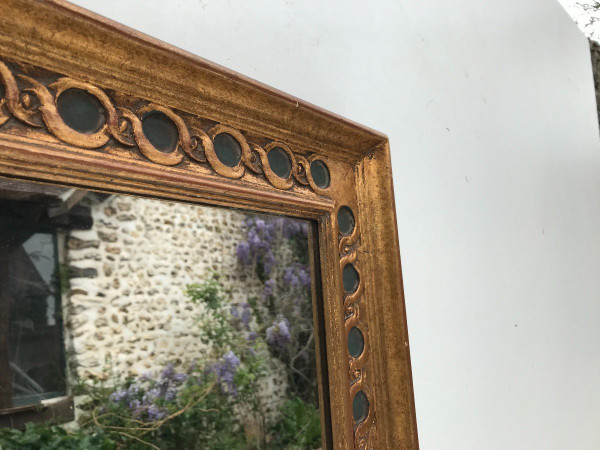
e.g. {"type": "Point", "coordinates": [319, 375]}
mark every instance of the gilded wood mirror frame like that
{"type": "Point", "coordinates": [48, 47]}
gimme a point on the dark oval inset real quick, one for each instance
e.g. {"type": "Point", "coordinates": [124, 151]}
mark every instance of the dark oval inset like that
{"type": "Point", "coordinates": [160, 130]}
{"type": "Point", "coordinates": [228, 149]}
{"type": "Point", "coordinates": [356, 342]}
{"type": "Point", "coordinates": [350, 279]}
{"type": "Point", "coordinates": [2, 91]}
{"type": "Point", "coordinates": [360, 407]}
{"type": "Point", "coordinates": [345, 220]}
{"type": "Point", "coordinates": [320, 173]}
{"type": "Point", "coordinates": [280, 163]}
{"type": "Point", "coordinates": [81, 110]}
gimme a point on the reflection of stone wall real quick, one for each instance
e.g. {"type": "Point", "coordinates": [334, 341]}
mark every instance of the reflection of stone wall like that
{"type": "Point", "coordinates": [129, 274]}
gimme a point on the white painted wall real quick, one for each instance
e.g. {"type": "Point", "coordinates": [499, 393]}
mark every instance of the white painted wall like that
{"type": "Point", "coordinates": [490, 111]}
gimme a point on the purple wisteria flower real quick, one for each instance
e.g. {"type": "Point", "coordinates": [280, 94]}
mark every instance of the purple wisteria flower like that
{"type": "Point", "coordinates": [133, 390]}
{"type": "Point", "coordinates": [269, 261]}
{"type": "Point", "coordinates": [269, 288]}
{"type": "Point", "coordinates": [145, 403]}
{"type": "Point", "coordinates": [297, 276]}
{"type": "Point", "coordinates": [246, 314]}
{"type": "Point", "coordinates": [260, 237]}
{"type": "Point", "coordinates": [290, 278]}
{"type": "Point", "coordinates": [231, 359]}
{"type": "Point", "coordinates": [168, 372]}
{"type": "Point", "coordinates": [304, 277]}
{"type": "Point", "coordinates": [260, 225]}
{"type": "Point", "coordinates": [254, 240]}
{"type": "Point", "coordinates": [243, 253]}
{"type": "Point", "coordinates": [119, 395]}
{"type": "Point", "coordinates": [155, 413]}
{"type": "Point", "coordinates": [180, 377]}
{"type": "Point", "coordinates": [278, 334]}
{"type": "Point", "coordinates": [151, 395]}
{"type": "Point", "coordinates": [171, 394]}
{"type": "Point", "coordinates": [225, 370]}
{"type": "Point", "coordinates": [134, 404]}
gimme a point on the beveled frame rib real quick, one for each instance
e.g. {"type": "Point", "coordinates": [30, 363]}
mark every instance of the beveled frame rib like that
{"type": "Point", "coordinates": [43, 43]}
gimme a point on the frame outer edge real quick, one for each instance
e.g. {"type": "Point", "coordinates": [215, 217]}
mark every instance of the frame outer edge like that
{"type": "Point", "coordinates": [397, 424]}
{"type": "Point", "coordinates": [117, 55]}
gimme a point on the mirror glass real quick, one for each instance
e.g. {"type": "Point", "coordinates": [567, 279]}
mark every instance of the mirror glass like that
{"type": "Point", "coordinates": [129, 322]}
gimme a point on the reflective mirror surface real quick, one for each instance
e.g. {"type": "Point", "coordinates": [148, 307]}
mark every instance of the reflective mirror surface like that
{"type": "Point", "coordinates": [142, 323]}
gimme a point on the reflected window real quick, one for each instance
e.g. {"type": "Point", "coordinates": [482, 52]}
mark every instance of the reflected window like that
{"type": "Point", "coordinates": [31, 302]}
{"type": "Point", "coordinates": [32, 351]}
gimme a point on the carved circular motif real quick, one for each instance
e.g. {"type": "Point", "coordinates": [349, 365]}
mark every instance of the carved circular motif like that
{"type": "Point", "coordinates": [227, 149]}
{"type": "Point", "coordinates": [360, 407]}
{"type": "Point", "coordinates": [280, 162]}
{"type": "Point", "coordinates": [320, 173]}
{"type": "Point", "coordinates": [350, 279]}
{"type": "Point", "coordinates": [356, 342]}
{"type": "Point", "coordinates": [80, 110]}
{"type": "Point", "coordinates": [345, 220]}
{"type": "Point", "coordinates": [160, 130]}
{"type": "Point", "coordinates": [81, 114]}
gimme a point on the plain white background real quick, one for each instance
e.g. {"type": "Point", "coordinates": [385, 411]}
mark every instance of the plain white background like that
{"type": "Point", "coordinates": [491, 114]}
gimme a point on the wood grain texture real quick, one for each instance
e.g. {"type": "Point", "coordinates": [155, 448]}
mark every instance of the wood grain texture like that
{"type": "Point", "coordinates": [49, 46]}
{"type": "Point", "coordinates": [391, 373]}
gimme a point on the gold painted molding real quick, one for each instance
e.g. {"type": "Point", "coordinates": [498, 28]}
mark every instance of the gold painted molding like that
{"type": "Point", "coordinates": [34, 106]}
{"type": "Point", "coordinates": [48, 47]}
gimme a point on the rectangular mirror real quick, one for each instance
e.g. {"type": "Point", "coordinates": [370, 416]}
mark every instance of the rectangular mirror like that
{"type": "Point", "coordinates": [99, 127]}
{"type": "Point", "coordinates": [144, 316]}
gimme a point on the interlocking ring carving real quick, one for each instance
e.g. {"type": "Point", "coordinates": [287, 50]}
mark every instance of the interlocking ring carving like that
{"type": "Point", "coordinates": [354, 316]}
{"type": "Point", "coordinates": [34, 104]}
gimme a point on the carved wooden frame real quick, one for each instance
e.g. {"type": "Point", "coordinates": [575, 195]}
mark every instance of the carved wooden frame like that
{"type": "Point", "coordinates": [47, 47]}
